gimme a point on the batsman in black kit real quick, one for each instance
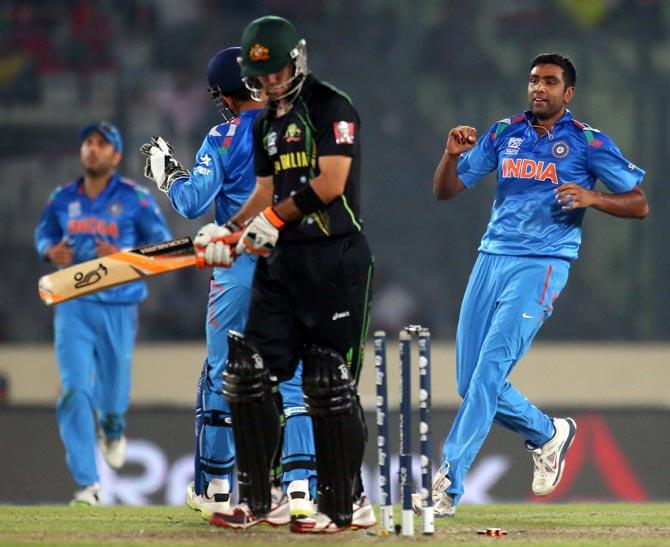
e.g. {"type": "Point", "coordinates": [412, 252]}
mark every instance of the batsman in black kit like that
{"type": "Point", "coordinates": [311, 292]}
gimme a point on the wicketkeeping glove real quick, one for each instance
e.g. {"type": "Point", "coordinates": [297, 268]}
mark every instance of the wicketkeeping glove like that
{"type": "Point", "coordinates": [260, 235]}
{"type": "Point", "coordinates": [160, 166]}
{"type": "Point", "coordinates": [215, 245]}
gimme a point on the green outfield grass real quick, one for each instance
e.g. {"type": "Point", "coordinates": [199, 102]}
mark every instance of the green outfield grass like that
{"type": "Point", "coordinates": [575, 524]}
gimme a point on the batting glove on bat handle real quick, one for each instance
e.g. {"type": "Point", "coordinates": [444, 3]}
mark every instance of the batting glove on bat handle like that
{"type": "Point", "coordinates": [215, 245]}
{"type": "Point", "coordinates": [260, 235]}
{"type": "Point", "coordinates": [161, 167]}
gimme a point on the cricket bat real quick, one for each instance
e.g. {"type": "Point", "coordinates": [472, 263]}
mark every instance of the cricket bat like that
{"type": "Point", "coordinates": [118, 268]}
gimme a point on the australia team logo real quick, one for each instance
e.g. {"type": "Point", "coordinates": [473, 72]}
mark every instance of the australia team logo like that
{"type": "Point", "coordinates": [293, 133]}
{"type": "Point", "coordinates": [560, 149]}
{"type": "Point", "coordinates": [258, 52]}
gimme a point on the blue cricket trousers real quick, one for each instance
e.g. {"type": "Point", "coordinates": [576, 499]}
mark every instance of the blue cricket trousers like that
{"type": "Point", "coordinates": [94, 345]}
{"type": "Point", "coordinates": [507, 300]}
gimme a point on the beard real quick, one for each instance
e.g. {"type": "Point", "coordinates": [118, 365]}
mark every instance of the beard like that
{"type": "Point", "coordinates": [547, 112]}
{"type": "Point", "coordinates": [96, 171]}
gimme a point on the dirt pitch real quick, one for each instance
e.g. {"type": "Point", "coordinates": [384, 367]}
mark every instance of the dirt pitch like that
{"type": "Point", "coordinates": [539, 524]}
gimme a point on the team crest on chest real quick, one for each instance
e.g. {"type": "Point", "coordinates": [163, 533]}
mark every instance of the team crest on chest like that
{"type": "Point", "coordinates": [293, 133]}
{"type": "Point", "coordinates": [115, 209]}
{"type": "Point", "coordinates": [560, 149]}
{"type": "Point", "coordinates": [513, 146]}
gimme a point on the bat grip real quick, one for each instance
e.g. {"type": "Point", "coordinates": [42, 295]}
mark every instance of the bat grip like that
{"type": "Point", "coordinates": [230, 240]}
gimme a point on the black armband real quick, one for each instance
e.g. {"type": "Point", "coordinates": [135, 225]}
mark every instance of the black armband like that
{"type": "Point", "coordinates": [307, 200]}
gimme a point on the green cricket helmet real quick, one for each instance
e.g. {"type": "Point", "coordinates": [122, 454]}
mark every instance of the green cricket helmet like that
{"type": "Point", "coordinates": [268, 45]}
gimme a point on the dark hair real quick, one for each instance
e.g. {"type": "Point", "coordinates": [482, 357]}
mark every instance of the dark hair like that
{"type": "Point", "coordinates": [569, 72]}
{"type": "Point", "coordinates": [241, 94]}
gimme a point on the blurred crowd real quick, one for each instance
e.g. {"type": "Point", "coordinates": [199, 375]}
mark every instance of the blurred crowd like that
{"type": "Point", "coordinates": [413, 69]}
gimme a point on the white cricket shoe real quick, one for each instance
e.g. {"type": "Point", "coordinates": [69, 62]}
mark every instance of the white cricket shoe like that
{"type": "Point", "coordinates": [216, 498]}
{"type": "Point", "coordinates": [113, 450]}
{"type": "Point", "coordinates": [443, 503]}
{"type": "Point", "coordinates": [240, 517]}
{"type": "Point", "coordinates": [299, 503]}
{"type": "Point", "coordinates": [88, 496]}
{"type": "Point", "coordinates": [363, 514]}
{"type": "Point", "coordinates": [549, 460]}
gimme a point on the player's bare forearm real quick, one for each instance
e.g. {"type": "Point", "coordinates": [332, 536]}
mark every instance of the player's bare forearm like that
{"type": "Point", "coordinates": [329, 185]}
{"type": "Point", "coordinates": [631, 204]}
{"type": "Point", "coordinates": [258, 200]}
{"type": "Point", "coordinates": [446, 184]}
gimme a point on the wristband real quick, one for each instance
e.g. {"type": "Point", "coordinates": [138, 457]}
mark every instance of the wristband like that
{"type": "Point", "coordinates": [307, 200]}
{"type": "Point", "coordinates": [273, 218]}
{"type": "Point", "coordinates": [232, 226]}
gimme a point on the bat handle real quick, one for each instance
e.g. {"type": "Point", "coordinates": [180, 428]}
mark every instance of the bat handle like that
{"type": "Point", "coordinates": [230, 240]}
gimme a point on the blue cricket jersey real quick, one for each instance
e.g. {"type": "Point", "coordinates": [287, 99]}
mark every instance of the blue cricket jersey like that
{"type": "Point", "coordinates": [223, 171]}
{"type": "Point", "coordinates": [526, 219]}
{"type": "Point", "coordinates": [124, 214]}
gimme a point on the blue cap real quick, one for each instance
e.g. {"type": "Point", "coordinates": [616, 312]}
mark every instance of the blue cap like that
{"type": "Point", "coordinates": [224, 70]}
{"type": "Point", "coordinates": [107, 130]}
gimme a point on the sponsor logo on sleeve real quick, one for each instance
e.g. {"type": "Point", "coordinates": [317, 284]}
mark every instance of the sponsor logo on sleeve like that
{"type": "Point", "coordinates": [271, 143]}
{"type": "Point", "coordinates": [513, 146]}
{"type": "Point", "coordinates": [203, 165]}
{"type": "Point", "coordinates": [344, 132]}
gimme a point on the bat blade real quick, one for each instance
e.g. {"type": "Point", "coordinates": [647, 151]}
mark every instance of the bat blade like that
{"type": "Point", "coordinates": [116, 269]}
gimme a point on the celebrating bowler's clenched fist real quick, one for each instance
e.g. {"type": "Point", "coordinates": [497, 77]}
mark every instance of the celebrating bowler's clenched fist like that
{"type": "Point", "coordinates": [461, 139]}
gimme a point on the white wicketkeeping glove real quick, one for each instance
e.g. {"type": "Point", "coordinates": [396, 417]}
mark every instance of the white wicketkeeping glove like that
{"type": "Point", "coordinates": [160, 166]}
{"type": "Point", "coordinates": [214, 245]}
{"type": "Point", "coordinates": [260, 235]}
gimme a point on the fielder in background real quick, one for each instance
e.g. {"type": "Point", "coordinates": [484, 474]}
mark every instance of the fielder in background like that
{"type": "Point", "coordinates": [547, 164]}
{"type": "Point", "coordinates": [224, 175]}
{"type": "Point", "coordinates": [311, 288]}
{"type": "Point", "coordinates": [94, 216]}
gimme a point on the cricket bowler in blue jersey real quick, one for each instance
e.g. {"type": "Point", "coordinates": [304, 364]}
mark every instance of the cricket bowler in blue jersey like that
{"type": "Point", "coordinates": [96, 215]}
{"type": "Point", "coordinates": [224, 175]}
{"type": "Point", "coordinates": [547, 164]}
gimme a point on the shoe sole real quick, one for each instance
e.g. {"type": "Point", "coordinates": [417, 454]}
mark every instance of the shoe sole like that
{"type": "Point", "coordinates": [572, 425]}
{"type": "Point", "coordinates": [216, 520]}
{"type": "Point", "coordinates": [363, 525]}
{"type": "Point", "coordinates": [298, 529]}
{"type": "Point", "coordinates": [300, 510]}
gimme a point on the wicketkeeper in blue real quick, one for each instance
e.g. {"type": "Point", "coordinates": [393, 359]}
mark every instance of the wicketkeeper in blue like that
{"type": "Point", "coordinates": [547, 164]}
{"type": "Point", "coordinates": [94, 216]}
{"type": "Point", "coordinates": [223, 174]}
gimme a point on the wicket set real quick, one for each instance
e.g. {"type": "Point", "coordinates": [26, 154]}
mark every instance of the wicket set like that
{"type": "Point", "coordinates": [405, 431]}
